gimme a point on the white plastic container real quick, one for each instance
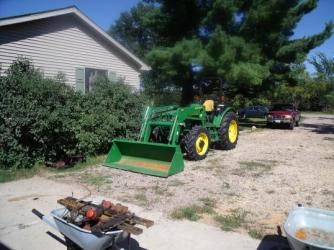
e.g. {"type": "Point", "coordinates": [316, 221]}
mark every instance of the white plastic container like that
{"type": "Point", "coordinates": [310, 229]}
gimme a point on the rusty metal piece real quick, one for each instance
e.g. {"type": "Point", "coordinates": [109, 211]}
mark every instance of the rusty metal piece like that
{"type": "Point", "coordinates": [106, 204]}
{"type": "Point", "coordinates": [72, 203]}
{"type": "Point", "coordinates": [119, 209]}
{"type": "Point", "coordinates": [141, 221]}
{"type": "Point", "coordinates": [87, 226]}
{"type": "Point", "coordinates": [104, 217]}
{"type": "Point", "coordinates": [113, 222]}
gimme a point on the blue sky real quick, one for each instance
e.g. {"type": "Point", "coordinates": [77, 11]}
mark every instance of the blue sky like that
{"type": "Point", "coordinates": [105, 12]}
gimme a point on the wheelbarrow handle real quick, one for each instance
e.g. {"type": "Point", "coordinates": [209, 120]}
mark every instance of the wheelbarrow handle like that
{"type": "Point", "coordinates": [37, 213]}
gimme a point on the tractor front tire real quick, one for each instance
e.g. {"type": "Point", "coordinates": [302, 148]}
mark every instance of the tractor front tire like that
{"type": "Point", "coordinates": [229, 131]}
{"type": "Point", "coordinates": [196, 143]}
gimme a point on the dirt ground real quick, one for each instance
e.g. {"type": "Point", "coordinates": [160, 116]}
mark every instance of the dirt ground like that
{"type": "Point", "coordinates": [265, 176]}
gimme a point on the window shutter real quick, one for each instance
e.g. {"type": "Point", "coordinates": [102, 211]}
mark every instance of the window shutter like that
{"type": "Point", "coordinates": [80, 80]}
{"type": "Point", "coordinates": [112, 76]}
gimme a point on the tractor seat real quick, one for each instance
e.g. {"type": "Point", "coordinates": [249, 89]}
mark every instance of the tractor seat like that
{"type": "Point", "coordinates": [209, 105]}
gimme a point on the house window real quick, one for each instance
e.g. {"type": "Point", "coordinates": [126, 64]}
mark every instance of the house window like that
{"type": "Point", "coordinates": [112, 76]}
{"type": "Point", "coordinates": [91, 75]}
{"type": "Point", "coordinates": [85, 77]}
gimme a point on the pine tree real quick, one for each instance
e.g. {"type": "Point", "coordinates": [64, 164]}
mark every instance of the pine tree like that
{"type": "Point", "coordinates": [246, 42]}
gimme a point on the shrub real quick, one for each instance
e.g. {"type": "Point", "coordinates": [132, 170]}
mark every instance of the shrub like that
{"type": "Point", "coordinates": [43, 119]}
{"type": "Point", "coordinates": [34, 115]}
{"type": "Point", "coordinates": [110, 110]}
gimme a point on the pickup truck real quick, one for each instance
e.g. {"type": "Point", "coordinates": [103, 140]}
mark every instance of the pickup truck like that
{"type": "Point", "coordinates": [283, 114]}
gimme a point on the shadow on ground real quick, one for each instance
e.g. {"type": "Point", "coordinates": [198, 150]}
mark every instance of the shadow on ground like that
{"type": "Point", "coordinates": [326, 118]}
{"type": "Point", "coordinates": [319, 128]}
{"type": "Point", "coordinates": [274, 242]}
{"type": "Point", "coordinates": [131, 244]}
{"type": "Point", "coordinates": [3, 246]}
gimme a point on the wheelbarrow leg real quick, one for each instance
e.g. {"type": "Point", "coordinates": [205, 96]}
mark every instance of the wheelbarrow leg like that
{"type": "Point", "coordinates": [71, 245]}
{"type": "Point", "coordinates": [126, 241]}
{"type": "Point", "coordinates": [128, 245]}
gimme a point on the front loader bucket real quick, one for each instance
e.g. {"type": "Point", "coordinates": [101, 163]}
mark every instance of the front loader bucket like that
{"type": "Point", "coordinates": [147, 158]}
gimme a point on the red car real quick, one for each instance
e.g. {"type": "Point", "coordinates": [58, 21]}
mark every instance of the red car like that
{"type": "Point", "coordinates": [283, 114]}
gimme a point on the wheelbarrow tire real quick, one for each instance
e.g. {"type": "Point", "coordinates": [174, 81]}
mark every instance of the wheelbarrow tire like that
{"type": "Point", "coordinates": [195, 144]}
{"type": "Point", "coordinates": [71, 245]}
{"type": "Point", "coordinates": [228, 138]}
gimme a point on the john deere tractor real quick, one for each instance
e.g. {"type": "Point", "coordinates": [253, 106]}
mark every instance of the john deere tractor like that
{"type": "Point", "coordinates": [170, 133]}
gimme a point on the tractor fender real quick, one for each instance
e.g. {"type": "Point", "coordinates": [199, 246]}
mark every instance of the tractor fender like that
{"type": "Point", "coordinates": [219, 117]}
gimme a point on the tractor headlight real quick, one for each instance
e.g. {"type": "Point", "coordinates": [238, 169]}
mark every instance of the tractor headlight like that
{"type": "Point", "coordinates": [289, 117]}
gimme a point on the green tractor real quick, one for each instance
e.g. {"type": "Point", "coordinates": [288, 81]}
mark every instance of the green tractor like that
{"type": "Point", "coordinates": [170, 133]}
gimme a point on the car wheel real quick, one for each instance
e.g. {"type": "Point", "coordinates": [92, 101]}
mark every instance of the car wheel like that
{"type": "Point", "coordinates": [292, 125]}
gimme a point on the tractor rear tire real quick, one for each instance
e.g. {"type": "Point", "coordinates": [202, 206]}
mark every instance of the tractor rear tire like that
{"type": "Point", "coordinates": [229, 131]}
{"type": "Point", "coordinates": [196, 143]}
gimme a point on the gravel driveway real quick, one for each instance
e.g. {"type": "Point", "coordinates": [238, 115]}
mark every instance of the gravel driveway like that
{"type": "Point", "coordinates": [267, 174]}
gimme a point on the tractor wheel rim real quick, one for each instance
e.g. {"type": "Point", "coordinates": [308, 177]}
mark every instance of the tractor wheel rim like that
{"type": "Point", "coordinates": [233, 131]}
{"type": "Point", "coordinates": [202, 144]}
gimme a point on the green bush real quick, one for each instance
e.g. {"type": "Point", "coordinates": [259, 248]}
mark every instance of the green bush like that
{"type": "Point", "coordinates": [34, 115]}
{"type": "Point", "coordinates": [110, 110]}
{"type": "Point", "coordinates": [44, 120]}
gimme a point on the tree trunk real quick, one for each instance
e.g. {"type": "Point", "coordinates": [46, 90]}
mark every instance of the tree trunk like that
{"type": "Point", "coordinates": [187, 94]}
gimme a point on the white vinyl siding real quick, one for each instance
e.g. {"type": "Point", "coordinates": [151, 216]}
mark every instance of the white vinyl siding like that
{"type": "Point", "coordinates": [63, 44]}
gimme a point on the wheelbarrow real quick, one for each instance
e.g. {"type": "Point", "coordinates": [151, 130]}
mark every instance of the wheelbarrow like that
{"type": "Point", "coordinates": [310, 229]}
{"type": "Point", "coordinates": [79, 238]}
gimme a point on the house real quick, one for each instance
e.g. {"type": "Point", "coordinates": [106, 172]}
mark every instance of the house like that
{"type": "Point", "coordinates": [65, 41]}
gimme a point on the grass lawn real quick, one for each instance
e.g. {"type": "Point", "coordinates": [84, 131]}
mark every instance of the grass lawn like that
{"type": "Point", "coordinates": [15, 174]}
